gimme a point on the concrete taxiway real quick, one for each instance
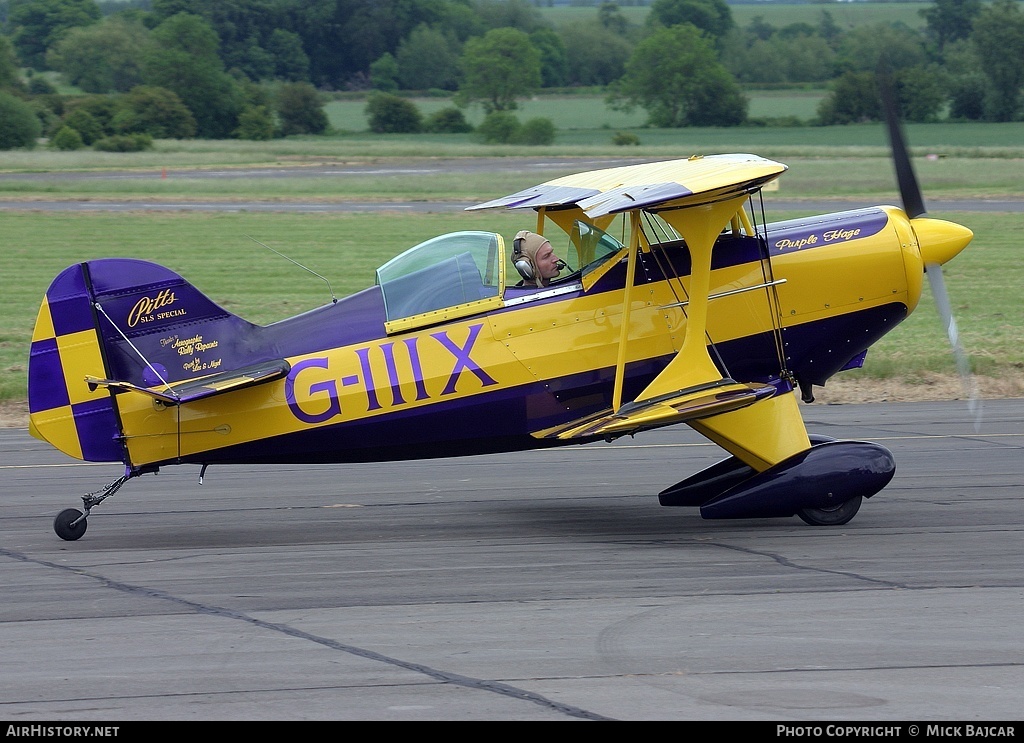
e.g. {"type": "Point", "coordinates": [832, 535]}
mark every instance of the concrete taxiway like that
{"type": "Point", "coordinates": [543, 585]}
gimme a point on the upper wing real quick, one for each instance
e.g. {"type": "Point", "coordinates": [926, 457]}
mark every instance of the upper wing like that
{"type": "Point", "coordinates": [652, 186]}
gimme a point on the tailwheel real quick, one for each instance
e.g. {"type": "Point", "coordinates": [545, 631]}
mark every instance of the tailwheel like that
{"type": "Point", "coordinates": [70, 524]}
{"type": "Point", "coordinates": [833, 516]}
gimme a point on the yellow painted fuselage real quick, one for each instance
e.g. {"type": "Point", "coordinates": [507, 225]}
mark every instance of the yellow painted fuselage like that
{"type": "Point", "coordinates": [489, 381]}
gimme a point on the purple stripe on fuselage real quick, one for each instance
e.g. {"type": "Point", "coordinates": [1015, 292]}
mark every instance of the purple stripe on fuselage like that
{"type": "Point", "coordinates": [667, 262]}
{"type": "Point", "coordinates": [814, 351]}
{"type": "Point", "coordinates": [833, 229]}
{"type": "Point", "coordinates": [673, 259]}
{"type": "Point", "coordinates": [502, 420]}
{"type": "Point", "coordinates": [488, 422]}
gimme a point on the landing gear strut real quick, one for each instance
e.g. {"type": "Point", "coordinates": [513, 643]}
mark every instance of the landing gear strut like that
{"type": "Point", "coordinates": [70, 524]}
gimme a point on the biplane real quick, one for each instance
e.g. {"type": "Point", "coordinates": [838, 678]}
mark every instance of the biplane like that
{"type": "Point", "coordinates": [678, 304]}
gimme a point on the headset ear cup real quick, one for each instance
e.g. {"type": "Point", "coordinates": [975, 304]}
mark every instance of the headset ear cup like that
{"type": "Point", "coordinates": [522, 263]}
{"type": "Point", "coordinates": [525, 268]}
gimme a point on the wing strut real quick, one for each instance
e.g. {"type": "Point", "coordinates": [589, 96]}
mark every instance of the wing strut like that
{"type": "Point", "coordinates": [690, 387]}
{"type": "Point", "coordinates": [620, 362]}
{"type": "Point", "coordinates": [700, 227]}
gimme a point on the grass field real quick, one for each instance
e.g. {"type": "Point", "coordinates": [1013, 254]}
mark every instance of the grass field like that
{"type": "Point", "coordinates": [583, 112]}
{"type": "Point", "coordinates": [213, 250]}
{"type": "Point", "coordinates": [968, 140]}
{"type": "Point", "coordinates": [816, 168]}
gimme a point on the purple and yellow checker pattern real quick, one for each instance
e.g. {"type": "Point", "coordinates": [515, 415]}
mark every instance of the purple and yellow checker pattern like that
{"type": "Point", "coordinates": [65, 347]}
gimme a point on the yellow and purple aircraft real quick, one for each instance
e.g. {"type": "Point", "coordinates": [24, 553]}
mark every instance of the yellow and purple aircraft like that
{"type": "Point", "coordinates": [677, 305]}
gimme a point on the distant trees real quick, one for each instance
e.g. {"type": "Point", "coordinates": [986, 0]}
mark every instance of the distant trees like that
{"type": "Point", "coordinates": [291, 62]}
{"type": "Point", "coordinates": [595, 55]}
{"type": "Point", "coordinates": [384, 73]}
{"type": "Point", "coordinates": [449, 120]}
{"type": "Point", "coordinates": [675, 75]}
{"type": "Point", "coordinates": [713, 17]}
{"type": "Point", "coordinates": [863, 47]}
{"type": "Point", "coordinates": [610, 17]}
{"type": "Point", "coordinates": [19, 126]}
{"type": "Point", "coordinates": [344, 37]}
{"type": "Point", "coordinates": [950, 20]}
{"type": "Point", "coordinates": [998, 41]}
{"type": "Point", "coordinates": [66, 138]}
{"type": "Point", "coordinates": [498, 127]}
{"type": "Point", "coordinates": [765, 54]}
{"type": "Point", "coordinates": [502, 127]}
{"type": "Point", "coordinates": [392, 114]}
{"type": "Point", "coordinates": [39, 24]}
{"type": "Point", "coordinates": [497, 68]}
{"type": "Point", "coordinates": [300, 109]}
{"type": "Point", "coordinates": [921, 87]}
{"type": "Point", "coordinates": [985, 82]}
{"type": "Point", "coordinates": [255, 123]}
{"type": "Point", "coordinates": [155, 111]}
{"type": "Point", "coordinates": [9, 77]}
{"type": "Point", "coordinates": [428, 58]}
{"type": "Point", "coordinates": [102, 57]}
{"type": "Point", "coordinates": [536, 131]}
{"type": "Point", "coordinates": [170, 76]}
{"type": "Point", "coordinates": [554, 62]}
{"type": "Point", "coordinates": [519, 14]}
{"type": "Point", "coordinates": [921, 93]}
{"type": "Point", "coordinates": [224, 66]}
{"type": "Point", "coordinates": [184, 60]}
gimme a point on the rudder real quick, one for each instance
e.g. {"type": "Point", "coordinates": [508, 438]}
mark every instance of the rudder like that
{"type": "Point", "coordinates": [63, 410]}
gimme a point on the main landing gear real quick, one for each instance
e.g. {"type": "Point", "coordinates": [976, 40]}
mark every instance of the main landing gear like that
{"type": "Point", "coordinates": [824, 485]}
{"type": "Point", "coordinates": [833, 515]}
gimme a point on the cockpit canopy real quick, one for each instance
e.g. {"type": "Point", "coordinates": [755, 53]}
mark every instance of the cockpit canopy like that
{"type": "Point", "coordinates": [463, 273]}
{"type": "Point", "coordinates": [593, 246]}
{"type": "Point", "coordinates": [460, 269]}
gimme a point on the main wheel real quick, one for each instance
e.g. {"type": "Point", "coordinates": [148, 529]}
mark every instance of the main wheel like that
{"type": "Point", "coordinates": [835, 516]}
{"type": "Point", "coordinates": [63, 528]}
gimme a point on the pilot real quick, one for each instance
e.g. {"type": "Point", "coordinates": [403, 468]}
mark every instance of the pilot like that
{"type": "Point", "coordinates": [535, 259]}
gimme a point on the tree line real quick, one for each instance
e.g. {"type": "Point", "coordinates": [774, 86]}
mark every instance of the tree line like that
{"type": "Point", "coordinates": [257, 69]}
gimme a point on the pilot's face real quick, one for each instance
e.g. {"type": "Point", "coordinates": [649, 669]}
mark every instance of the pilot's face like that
{"type": "Point", "coordinates": [547, 262]}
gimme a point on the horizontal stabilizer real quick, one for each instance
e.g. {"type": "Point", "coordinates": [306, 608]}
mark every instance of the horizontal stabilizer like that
{"type": "Point", "coordinates": [196, 389]}
{"type": "Point", "coordinates": [714, 398]}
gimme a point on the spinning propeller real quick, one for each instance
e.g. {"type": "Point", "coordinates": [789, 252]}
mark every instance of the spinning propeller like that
{"type": "Point", "coordinates": [938, 241]}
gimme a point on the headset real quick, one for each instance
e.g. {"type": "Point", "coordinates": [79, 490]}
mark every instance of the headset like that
{"type": "Point", "coordinates": [521, 261]}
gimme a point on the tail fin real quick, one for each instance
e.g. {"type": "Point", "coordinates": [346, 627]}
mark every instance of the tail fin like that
{"type": "Point", "coordinates": [121, 319]}
{"type": "Point", "coordinates": [65, 347]}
